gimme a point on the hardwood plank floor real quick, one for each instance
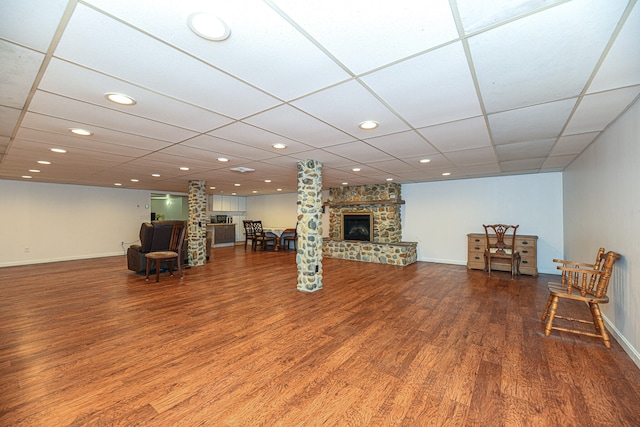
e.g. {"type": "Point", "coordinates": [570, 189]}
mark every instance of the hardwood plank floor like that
{"type": "Point", "coordinates": [88, 342]}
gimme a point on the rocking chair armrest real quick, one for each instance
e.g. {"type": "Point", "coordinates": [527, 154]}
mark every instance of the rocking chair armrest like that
{"type": "Point", "coordinates": [567, 263]}
{"type": "Point", "coordinates": [580, 270]}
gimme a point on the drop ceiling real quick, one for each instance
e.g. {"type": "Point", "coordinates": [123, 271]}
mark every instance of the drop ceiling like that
{"type": "Point", "coordinates": [480, 88]}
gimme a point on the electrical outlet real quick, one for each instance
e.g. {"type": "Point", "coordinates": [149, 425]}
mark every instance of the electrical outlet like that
{"type": "Point", "coordinates": [27, 250]}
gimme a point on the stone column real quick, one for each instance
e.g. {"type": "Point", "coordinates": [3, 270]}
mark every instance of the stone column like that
{"type": "Point", "coordinates": [197, 231]}
{"type": "Point", "coordinates": [309, 256]}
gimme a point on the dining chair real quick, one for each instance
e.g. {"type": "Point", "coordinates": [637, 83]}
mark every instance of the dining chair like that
{"type": "Point", "coordinates": [501, 241]}
{"type": "Point", "coordinates": [288, 238]}
{"type": "Point", "coordinates": [262, 239]}
{"type": "Point", "coordinates": [178, 232]}
{"type": "Point", "coordinates": [249, 232]}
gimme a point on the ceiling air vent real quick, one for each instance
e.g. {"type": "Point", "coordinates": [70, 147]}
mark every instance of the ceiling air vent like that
{"type": "Point", "coordinates": [242, 169]}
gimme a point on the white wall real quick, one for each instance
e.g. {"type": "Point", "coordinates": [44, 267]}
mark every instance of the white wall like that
{"type": "Point", "coordinates": [439, 215]}
{"type": "Point", "coordinates": [602, 208]}
{"type": "Point", "coordinates": [55, 222]}
{"type": "Point", "coordinates": [280, 211]}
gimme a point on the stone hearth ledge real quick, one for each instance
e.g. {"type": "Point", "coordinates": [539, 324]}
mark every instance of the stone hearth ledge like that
{"type": "Point", "coordinates": [400, 253]}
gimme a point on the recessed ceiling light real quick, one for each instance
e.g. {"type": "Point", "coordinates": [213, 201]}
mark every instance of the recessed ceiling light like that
{"type": "Point", "coordinates": [446, 173]}
{"type": "Point", "coordinates": [425, 160]}
{"type": "Point", "coordinates": [117, 184]}
{"type": "Point", "coordinates": [279, 146]}
{"type": "Point", "coordinates": [389, 179]}
{"type": "Point", "coordinates": [356, 169]}
{"type": "Point", "coordinates": [58, 150]}
{"type": "Point", "coordinates": [345, 183]}
{"type": "Point", "coordinates": [279, 189]}
{"type": "Point", "coordinates": [223, 159]}
{"type": "Point", "coordinates": [254, 191]}
{"type": "Point", "coordinates": [184, 168]}
{"type": "Point", "coordinates": [120, 98]}
{"type": "Point", "coordinates": [236, 185]}
{"type": "Point", "coordinates": [208, 26]}
{"type": "Point", "coordinates": [155, 174]}
{"type": "Point", "coordinates": [267, 180]}
{"type": "Point", "coordinates": [34, 170]}
{"type": "Point", "coordinates": [27, 176]}
{"type": "Point", "coordinates": [44, 162]}
{"type": "Point", "coordinates": [368, 125]}
{"type": "Point", "coordinates": [81, 132]}
{"type": "Point", "coordinates": [212, 188]}
{"type": "Point", "coordinates": [233, 194]}
{"type": "Point", "coordinates": [135, 180]}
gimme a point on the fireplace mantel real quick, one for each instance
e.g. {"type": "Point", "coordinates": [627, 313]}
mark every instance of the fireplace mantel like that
{"type": "Point", "coordinates": [364, 202]}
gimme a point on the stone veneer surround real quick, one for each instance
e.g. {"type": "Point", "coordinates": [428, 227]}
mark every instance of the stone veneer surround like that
{"type": "Point", "coordinates": [309, 254]}
{"type": "Point", "coordinates": [197, 239]}
{"type": "Point", "coordinates": [384, 201]}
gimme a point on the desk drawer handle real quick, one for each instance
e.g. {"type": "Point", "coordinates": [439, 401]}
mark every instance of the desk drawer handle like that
{"type": "Point", "coordinates": [524, 242]}
{"type": "Point", "coordinates": [476, 257]}
{"type": "Point", "coordinates": [525, 251]}
{"type": "Point", "coordinates": [476, 240]}
{"type": "Point", "coordinates": [524, 261]}
{"type": "Point", "coordinates": [477, 248]}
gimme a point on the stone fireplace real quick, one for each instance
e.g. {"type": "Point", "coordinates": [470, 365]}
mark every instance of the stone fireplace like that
{"type": "Point", "coordinates": [376, 207]}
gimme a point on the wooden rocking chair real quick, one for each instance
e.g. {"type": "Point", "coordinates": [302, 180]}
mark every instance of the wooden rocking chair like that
{"type": "Point", "coordinates": [585, 283]}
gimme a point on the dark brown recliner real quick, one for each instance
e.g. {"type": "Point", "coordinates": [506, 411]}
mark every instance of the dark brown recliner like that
{"type": "Point", "coordinates": [154, 237]}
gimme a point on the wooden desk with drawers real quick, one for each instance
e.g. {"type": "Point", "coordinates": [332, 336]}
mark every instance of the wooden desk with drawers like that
{"type": "Point", "coordinates": [526, 245]}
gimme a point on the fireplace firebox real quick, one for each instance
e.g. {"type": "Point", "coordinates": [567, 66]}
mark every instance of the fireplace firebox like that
{"type": "Point", "coordinates": [357, 226]}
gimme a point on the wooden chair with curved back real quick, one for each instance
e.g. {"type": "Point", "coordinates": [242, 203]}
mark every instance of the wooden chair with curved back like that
{"type": "Point", "coordinates": [249, 232]}
{"type": "Point", "coordinates": [287, 238]}
{"type": "Point", "coordinates": [174, 253]}
{"type": "Point", "coordinates": [501, 241]}
{"type": "Point", "coordinates": [262, 239]}
{"type": "Point", "coordinates": [582, 282]}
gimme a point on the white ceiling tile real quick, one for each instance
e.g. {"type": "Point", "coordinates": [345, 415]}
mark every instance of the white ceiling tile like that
{"type": "Point", "coordinates": [359, 151]}
{"type": "Point", "coordinates": [89, 39]}
{"type": "Point", "coordinates": [621, 66]}
{"type": "Point", "coordinates": [256, 137]}
{"type": "Point", "coordinates": [55, 126]}
{"type": "Point", "coordinates": [596, 111]}
{"type": "Point", "coordinates": [299, 69]}
{"type": "Point", "coordinates": [392, 166]}
{"type": "Point", "coordinates": [18, 68]}
{"type": "Point", "coordinates": [65, 108]}
{"type": "Point", "coordinates": [402, 144]}
{"type": "Point", "coordinates": [460, 135]}
{"type": "Point", "coordinates": [352, 30]}
{"type": "Point", "coordinates": [554, 163]}
{"type": "Point", "coordinates": [326, 158]}
{"type": "Point", "coordinates": [429, 89]}
{"type": "Point", "coordinates": [41, 18]}
{"type": "Point", "coordinates": [90, 86]}
{"type": "Point", "coordinates": [488, 169]}
{"type": "Point", "coordinates": [525, 150]}
{"type": "Point", "coordinates": [560, 47]}
{"type": "Point", "coordinates": [8, 118]}
{"type": "Point", "coordinates": [524, 165]}
{"type": "Point", "coordinates": [295, 124]}
{"type": "Point", "coordinates": [346, 106]}
{"type": "Point", "coordinates": [530, 123]}
{"type": "Point", "coordinates": [69, 142]}
{"type": "Point", "coordinates": [234, 151]}
{"type": "Point", "coordinates": [474, 156]}
{"type": "Point", "coordinates": [573, 144]}
{"type": "Point", "coordinates": [476, 15]}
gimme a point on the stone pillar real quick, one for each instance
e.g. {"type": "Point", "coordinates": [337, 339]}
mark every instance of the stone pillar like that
{"type": "Point", "coordinates": [197, 231]}
{"type": "Point", "coordinates": [309, 255]}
